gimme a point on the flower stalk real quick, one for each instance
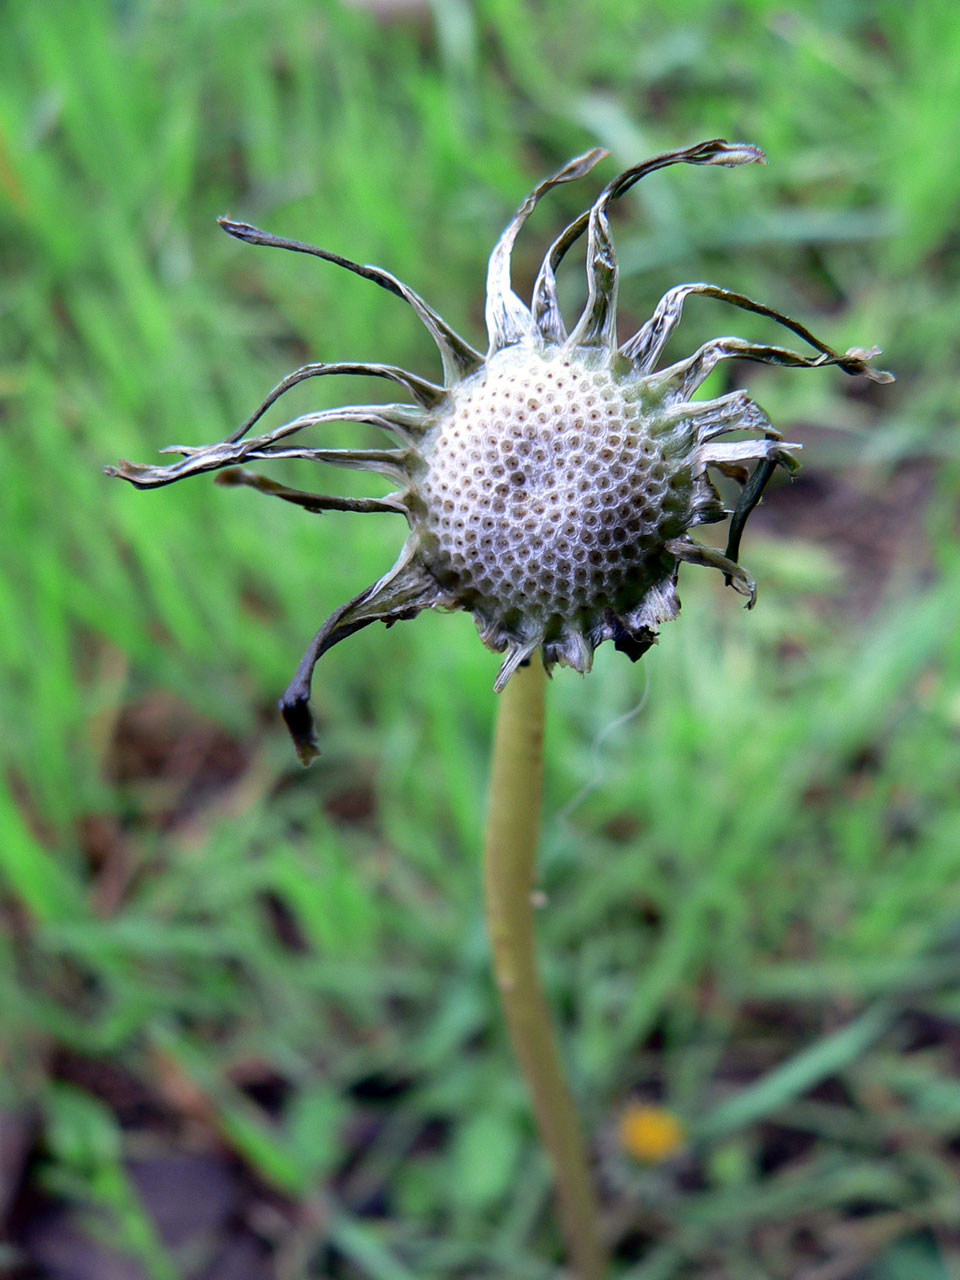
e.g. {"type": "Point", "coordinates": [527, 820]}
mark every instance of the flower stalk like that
{"type": "Point", "coordinates": [513, 828]}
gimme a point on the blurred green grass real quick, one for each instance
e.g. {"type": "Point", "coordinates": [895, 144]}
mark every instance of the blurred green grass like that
{"type": "Point", "coordinates": [753, 910]}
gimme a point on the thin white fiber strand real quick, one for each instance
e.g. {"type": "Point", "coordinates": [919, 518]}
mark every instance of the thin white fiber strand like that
{"type": "Point", "coordinates": [596, 752]}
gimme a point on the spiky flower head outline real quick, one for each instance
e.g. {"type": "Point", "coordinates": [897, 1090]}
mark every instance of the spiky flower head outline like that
{"type": "Point", "coordinates": [549, 486]}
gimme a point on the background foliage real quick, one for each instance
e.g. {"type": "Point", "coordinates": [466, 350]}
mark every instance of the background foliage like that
{"type": "Point", "coordinates": [265, 991]}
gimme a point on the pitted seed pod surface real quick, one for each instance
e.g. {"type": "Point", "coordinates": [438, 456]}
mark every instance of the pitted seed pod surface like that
{"type": "Point", "coordinates": [546, 488]}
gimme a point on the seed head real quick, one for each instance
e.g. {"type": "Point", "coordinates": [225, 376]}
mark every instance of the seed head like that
{"type": "Point", "coordinates": [550, 486]}
{"type": "Point", "coordinates": [549, 495]}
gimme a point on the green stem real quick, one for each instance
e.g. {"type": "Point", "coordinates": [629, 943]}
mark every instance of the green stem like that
{"type": "Point", "coordinates": [512, 832]}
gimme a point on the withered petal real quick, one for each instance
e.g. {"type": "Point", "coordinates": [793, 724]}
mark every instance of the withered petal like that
{"type": "Point", "coordinates": [458, 357]}
{"type": "Point", "coordinates": [401, 594]}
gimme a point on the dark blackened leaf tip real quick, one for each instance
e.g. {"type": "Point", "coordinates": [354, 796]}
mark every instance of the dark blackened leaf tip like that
{"type": "Point", "coordinates": [299, 722]}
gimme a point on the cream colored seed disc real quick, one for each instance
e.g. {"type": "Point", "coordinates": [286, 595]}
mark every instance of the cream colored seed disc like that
{"type": "Point", "coordinates": [544, 491]}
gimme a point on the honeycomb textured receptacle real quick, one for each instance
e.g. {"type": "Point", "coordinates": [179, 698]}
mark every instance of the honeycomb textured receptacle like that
{"type": "Point", "coordinates": [548, 493]}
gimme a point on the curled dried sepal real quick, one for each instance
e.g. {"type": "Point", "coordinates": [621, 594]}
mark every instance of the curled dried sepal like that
{"type": "Point", "coordinates": [508, 319]}
{"type": "Point", "coordinates": [427, 394]}
{"type": "Point", "coordinates": [680, 380]}
{"type": "Point", "coordinates": [711, 418]}
{"type": "Point", "coordinates": [517, 654]}
{"type": "Point", "coordinates": [597, 326]}
{"type": "Point", "coordinates": [231, 452]}
{"type": "Point", "coordinates": [691, 552]}
{"type": "Point", "coordinates": [316, 502]}
{"type": "Point", "coordinates": [399, 595]}
{"type": "Point", "coordinates": [646, 346]}
{"type": "Point", "coordinates": [545, 307]}
{"type": "Point", "coordinates": [393, 464]}
{"type": "Point", "coordinates": [719, 453]}
{"type": "Point", "coordinates": [458, 357]}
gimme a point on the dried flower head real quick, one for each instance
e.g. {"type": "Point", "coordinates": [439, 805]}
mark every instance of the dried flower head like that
{"type": "Point", "coordinates": [550, 486]}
